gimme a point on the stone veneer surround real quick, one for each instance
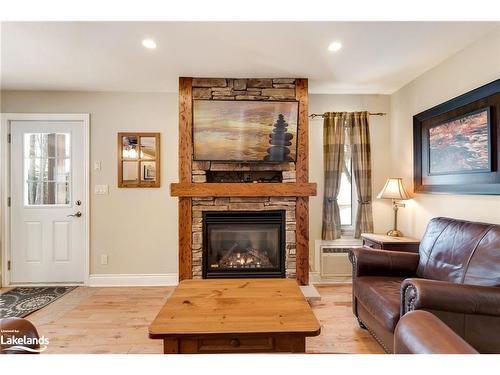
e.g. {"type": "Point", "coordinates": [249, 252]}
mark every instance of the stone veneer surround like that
{"type": "Point", "coordinates": [242, 204]}
{"type": "Point", "coordinates": [242, 89]}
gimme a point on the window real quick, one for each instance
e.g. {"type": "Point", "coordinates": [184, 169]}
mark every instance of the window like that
{"type": "Point", "coordinates": [47, 169]}
{"type": "Point", "coordinates": [347, 198]}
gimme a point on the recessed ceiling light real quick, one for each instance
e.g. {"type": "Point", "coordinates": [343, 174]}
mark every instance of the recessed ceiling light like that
{"type": "Point", "coordinates": [334, 46]}
{"type": "Point", "coordinates": [149, 43]}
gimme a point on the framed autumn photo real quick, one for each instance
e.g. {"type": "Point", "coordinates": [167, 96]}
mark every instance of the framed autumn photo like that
{"type": "Point", "coordinates": [461, 145]}
{"type": "Point", "coordinates": [456, 144]}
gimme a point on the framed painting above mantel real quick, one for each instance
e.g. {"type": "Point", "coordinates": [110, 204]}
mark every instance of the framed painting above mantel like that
{"type": "Point", "coordinates": [456, 144]}
{"type": "Point", "coordinates": [245, 130]}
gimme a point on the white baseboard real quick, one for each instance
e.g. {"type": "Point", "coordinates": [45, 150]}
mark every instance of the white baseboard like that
{"type": "Point", "coordinates": [314, 277]}
{"type": "Point", "coordinates": [160, 279]}
{"type": "Point", "coordinates": [40, 285]}
{"type": "Point", "coordinates": [334, 280]}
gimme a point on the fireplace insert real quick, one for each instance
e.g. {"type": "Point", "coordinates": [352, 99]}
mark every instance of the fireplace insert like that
{"type": "Point", "coordinates": [243, 244]}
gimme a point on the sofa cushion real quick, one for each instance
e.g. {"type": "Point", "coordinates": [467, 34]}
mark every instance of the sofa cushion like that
{"type": "Point", "coordinates": [460, 252]}
{"type": "Point", "coordinates": [484, 264]}
{"type": "Point", "coordinates": [381, 297]}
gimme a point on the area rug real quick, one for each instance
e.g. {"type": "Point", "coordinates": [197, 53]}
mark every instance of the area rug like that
{"type": "Point", "coordinates": [20, 302]}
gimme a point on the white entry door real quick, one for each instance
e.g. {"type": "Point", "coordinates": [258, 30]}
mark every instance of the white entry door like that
{"type": "Point", "coordinates": [48, 231]}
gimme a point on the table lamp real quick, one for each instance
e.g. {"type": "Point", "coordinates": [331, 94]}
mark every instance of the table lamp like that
{"type": "Point", "coordinates": [394, 190]}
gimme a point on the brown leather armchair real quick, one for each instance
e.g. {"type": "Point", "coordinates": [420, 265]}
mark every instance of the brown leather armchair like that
{"type": "Point", "coordinates": [420, 332]}
{"type": "Point", "coordinates": [455, 275]}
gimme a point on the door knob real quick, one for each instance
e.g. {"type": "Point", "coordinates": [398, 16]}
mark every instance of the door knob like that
{"type": "Point", "coordinates": [77, 214]}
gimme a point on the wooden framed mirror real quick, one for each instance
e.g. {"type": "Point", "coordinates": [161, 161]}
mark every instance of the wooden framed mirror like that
{"type": "Point", "coordinates": [138, 160]}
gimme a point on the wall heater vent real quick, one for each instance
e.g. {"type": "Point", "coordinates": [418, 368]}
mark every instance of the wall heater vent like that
{"type": "Point", "coordinates": [334, 259]}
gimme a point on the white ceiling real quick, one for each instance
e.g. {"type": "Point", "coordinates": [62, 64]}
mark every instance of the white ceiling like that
{"type": "Point", "coordinates": [377, 57]}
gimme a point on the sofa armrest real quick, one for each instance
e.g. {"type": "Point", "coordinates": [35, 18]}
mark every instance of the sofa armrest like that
{"type": "Point", "coordinates": [369, 262]}
{"type": "Point", "coordinates": [14, 328]}
{"type": "Point", "coordinates": [426, 294]}
{"type": "Point", "coordinates": [420, 332]}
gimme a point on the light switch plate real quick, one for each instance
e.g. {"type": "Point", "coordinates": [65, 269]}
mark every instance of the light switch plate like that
{"type": "Point", "coordinates": [97, 166]}
{"type": "Point", "coordinates": [104, 259]}
{"type": "Point", "coordinates": [101, 189]}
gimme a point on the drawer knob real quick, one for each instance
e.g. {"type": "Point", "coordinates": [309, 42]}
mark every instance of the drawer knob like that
{"type": "Point", "coordinates": [234, 343]}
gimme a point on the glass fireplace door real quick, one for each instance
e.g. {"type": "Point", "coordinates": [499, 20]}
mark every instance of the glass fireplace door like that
{"type": "Point", "coordinates": [238, 247]}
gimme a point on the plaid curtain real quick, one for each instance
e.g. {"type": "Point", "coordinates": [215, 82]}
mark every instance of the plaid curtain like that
{"type": "Point", "coordinates": [333, 152]}
{"type": "Point", "coordinates": [362, 171]}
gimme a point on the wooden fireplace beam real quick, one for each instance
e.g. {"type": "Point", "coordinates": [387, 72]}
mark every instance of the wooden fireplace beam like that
{"type": "Point", "coordinates": [185, 157]}
{"type": "Point", "coordinates": [242, 189]}
{"type": "Point", "coordinates": [302, 176]}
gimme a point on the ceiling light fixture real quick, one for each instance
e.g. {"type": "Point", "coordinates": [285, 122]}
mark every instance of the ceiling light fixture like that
{"type": "Point", "coordinates": [149, 43]}
{"type": "Point", "coordinates": [334, 46]}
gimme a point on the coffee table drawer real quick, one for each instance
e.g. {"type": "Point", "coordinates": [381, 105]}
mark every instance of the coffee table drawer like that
{"type": "Point", "coordinates": [234, 344]}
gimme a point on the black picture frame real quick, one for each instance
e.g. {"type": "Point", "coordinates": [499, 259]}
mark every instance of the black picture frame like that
{"type": "Point", "coordinates": [478, 182]}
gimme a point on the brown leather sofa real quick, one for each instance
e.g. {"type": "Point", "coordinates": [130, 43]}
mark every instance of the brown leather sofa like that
{"type": "Point", "coordinates": [420, 332]}
{"type": "Point", "coordinates": [17, 327]}
{"type": "Point", "coordinates": [455, 276]}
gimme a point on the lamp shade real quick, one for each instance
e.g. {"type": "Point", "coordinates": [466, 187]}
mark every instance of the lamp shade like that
{"type": "Point", "coordinates": [394, 189]}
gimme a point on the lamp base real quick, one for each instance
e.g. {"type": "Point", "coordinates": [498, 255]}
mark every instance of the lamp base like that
{"type": "Point", "coordinates": [395, 233]}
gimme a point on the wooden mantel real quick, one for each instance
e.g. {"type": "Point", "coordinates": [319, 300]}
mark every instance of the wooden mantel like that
{"type": "Point", "coordinates": [304, 189]}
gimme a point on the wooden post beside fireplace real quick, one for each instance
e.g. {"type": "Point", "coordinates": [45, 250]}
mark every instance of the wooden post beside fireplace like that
{"type": "Point", "coordinates": [196, 196]}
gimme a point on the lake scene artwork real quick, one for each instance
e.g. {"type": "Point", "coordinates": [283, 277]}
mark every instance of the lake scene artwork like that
{"type": "Point", "coordinates": [245, 130]}
{"type": "Point", "coordinates": [461, 145]}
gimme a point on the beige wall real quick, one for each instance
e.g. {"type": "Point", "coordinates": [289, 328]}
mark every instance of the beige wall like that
{"type": "Point", "coordinates": [380, 146]}
{"type": "Point", "coordinates": [472, 67]}
{"type": "Point", "coordinates": [137, 228]}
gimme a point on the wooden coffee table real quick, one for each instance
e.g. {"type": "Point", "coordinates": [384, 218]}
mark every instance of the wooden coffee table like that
{"type": "Point", "coordinates": [235, 316]}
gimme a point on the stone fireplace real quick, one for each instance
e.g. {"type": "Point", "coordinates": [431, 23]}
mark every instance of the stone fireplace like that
{"type": "Point", "coordinates": [203, 205]}
{"type": "Point", "coordinates": [223, 207]}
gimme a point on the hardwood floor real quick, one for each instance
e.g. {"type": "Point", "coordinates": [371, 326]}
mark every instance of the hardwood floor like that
{"type": "Point", "coordinates": [115, 320]}
{"type": "Point", "coordinates": [340, 332]}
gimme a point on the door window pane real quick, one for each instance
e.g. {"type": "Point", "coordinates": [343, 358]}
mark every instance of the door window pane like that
{"type": "Point", "coordinates": [47, 168]}
{"type": "Point", "coordinates": [62, 193]}
{"type": "Point", "coordinates": [63, 145]}
{"type": "Point", "coordinates": [62, 169]}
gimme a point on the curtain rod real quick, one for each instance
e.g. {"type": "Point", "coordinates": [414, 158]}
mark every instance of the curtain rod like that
{"type": "Point", "coordinates": [314, 115]}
